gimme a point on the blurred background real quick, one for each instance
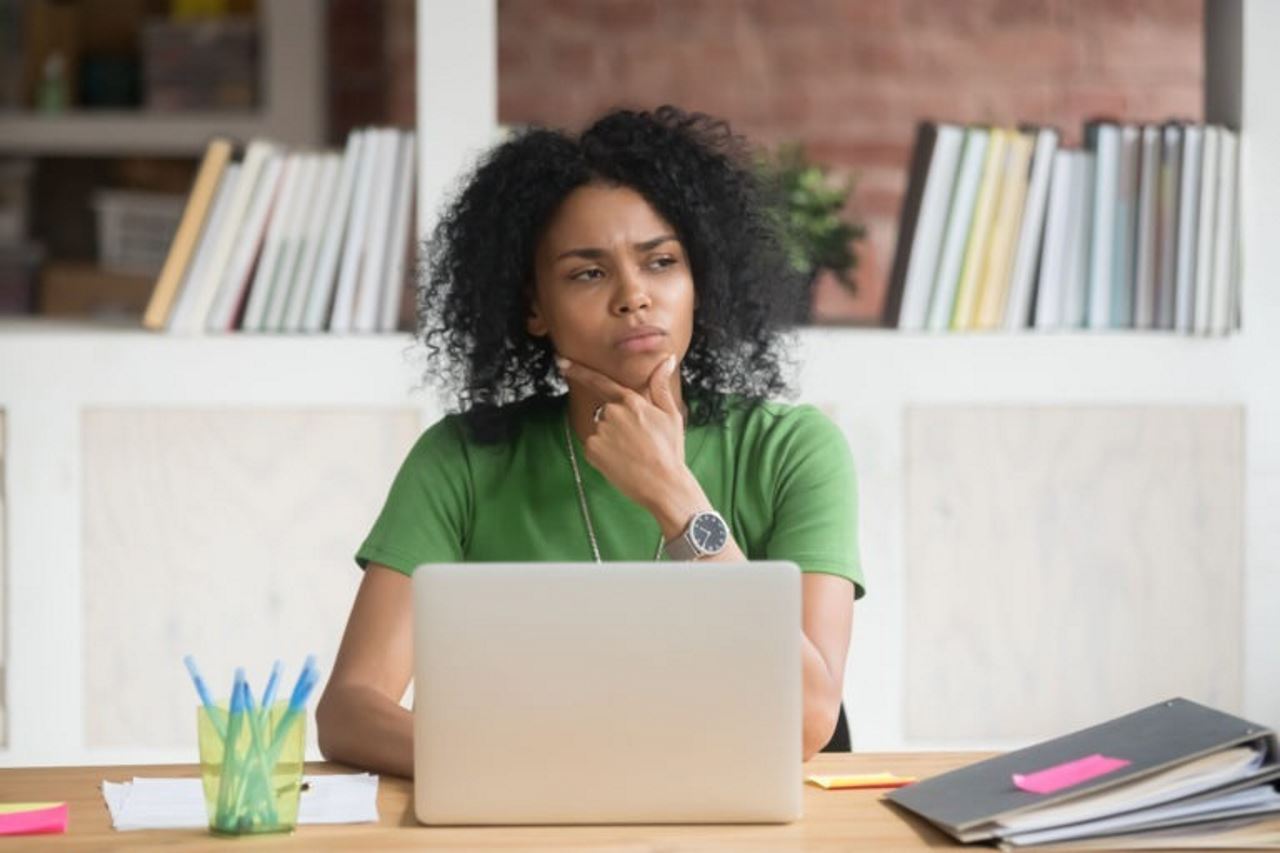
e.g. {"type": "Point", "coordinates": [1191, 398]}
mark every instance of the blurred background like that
{"type": "Point", "coordinates": [1056, 527]}
{"type": "Point", "coordinates": [847, 79]}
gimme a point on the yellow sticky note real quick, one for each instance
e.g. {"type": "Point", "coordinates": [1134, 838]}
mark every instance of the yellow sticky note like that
{"type": "Point", "coordinates": [862, 780]}
{"type": "Point", "coordinates": [13, 808]}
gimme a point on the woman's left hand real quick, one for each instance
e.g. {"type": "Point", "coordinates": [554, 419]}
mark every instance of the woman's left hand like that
{"type": "Point", "coordinates": [638, 443]}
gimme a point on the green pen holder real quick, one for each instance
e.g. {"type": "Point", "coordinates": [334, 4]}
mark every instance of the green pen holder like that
{"type": "Point", "coordinates": [252, 783]}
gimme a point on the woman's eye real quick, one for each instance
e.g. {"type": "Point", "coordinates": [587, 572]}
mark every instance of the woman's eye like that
{"type": "Point", "coordinates": [662, 262]}
{"type": "Point", "coordinates": [588, 274]}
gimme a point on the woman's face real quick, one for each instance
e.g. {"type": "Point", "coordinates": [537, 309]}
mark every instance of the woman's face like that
{"type": "Point", "coordinates": [612, 290]}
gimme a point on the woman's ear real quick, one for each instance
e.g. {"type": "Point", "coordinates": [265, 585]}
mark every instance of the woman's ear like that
{"type": "Point", "coordinates": [534, 322]}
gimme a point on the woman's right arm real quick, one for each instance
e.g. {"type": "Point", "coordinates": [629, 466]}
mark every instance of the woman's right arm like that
{"type": "Point", "coordinates": [359, 720]}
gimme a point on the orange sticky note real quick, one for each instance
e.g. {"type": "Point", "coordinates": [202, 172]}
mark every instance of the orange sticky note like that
{"type": "Point", "coordinates": [861, 780]}
{"type": "Point", "coordinates": [32, 818]}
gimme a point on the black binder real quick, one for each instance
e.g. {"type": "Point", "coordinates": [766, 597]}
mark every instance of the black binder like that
{"type": "Point", "coordinates": [967, 803]}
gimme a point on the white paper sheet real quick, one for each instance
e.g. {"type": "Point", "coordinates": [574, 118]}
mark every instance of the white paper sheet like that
{"type": "Point", "coordinates": [151, 803]}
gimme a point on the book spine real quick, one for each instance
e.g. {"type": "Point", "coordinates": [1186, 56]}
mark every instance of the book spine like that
{"type": "Point", "coordinates": [959, 221]}
{"type": "Point", "coordinates": [1189, 226]}
{"type": "Point", "coordinates": [1032, 232]}
{"type": "Point", "coordinates": [1208, 225]}
{"type": "Point", "coordinates": [1144, 314]}
{"type": "Point", "coordinates": [1105, 143]}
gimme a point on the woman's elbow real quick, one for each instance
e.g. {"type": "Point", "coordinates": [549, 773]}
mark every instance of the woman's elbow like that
{"type": "Point", "coordinates": [821, 713]}
{"type": "Point", "coordinates": [327, 725]}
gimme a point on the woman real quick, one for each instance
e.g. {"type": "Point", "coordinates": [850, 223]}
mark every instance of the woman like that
{"type": "Point", "coordinates": [637, 266]}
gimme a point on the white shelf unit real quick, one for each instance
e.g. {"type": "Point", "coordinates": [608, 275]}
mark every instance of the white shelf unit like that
{"type": "Point", "coordinates": [50, 373]}
{"type": "Point", "coordinates": [291, 84]}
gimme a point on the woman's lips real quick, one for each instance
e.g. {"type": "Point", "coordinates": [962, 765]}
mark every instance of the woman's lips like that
{"type": "Point", "coordinates": [643, 342]}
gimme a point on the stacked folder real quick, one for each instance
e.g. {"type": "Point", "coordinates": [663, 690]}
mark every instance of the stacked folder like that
{"type": "Point", "coordinates": [1174, 775]}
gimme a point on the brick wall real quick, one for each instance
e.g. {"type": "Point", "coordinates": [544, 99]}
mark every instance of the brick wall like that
{"type": "Point", "coordinates": [848, 77]}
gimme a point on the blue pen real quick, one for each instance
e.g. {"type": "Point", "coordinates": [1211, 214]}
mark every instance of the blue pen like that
{"type": "Point", "coordinates": [297, 703]}
{"type": "Point", "coordinates": [214, 712]}
{"type": "Point", "coordinates": [268, 696]}
{"type": "Point", "coordinates": [223, 818]}
{"type": "Point", "coordinates": [270, 692]}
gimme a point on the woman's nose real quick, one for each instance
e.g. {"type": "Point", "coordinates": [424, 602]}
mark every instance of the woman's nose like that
{"type": "Point", "coordinates": [632, 296]}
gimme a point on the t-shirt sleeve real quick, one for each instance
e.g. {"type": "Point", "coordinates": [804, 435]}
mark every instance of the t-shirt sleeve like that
{"type": "Point", "coordinates": [815, 521]}
{"type": "Point", "coordinates": [424, 519]}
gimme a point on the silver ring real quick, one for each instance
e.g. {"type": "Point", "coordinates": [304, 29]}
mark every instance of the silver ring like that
{"type": "Point", "coordinates": [598, 415]}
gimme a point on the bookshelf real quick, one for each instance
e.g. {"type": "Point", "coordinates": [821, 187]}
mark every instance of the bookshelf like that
{"type": "Point", "coordinates": [292, 85]}
{"type": "Point", "coordinates": [51, 373]}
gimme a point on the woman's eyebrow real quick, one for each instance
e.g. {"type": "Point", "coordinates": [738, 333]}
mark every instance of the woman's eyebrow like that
{"type": "Point", "coordinates": [592, 254]}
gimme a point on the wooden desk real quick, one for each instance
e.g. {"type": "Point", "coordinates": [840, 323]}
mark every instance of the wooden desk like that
{"type": "Point", "coordinates": [833, 820]}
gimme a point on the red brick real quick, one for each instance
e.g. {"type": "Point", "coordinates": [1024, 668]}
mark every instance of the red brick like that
{"type": "Point", "coordinates": [629, 14]}
{"type": "Point", "coordinates": [1021, 13]}
{"type": "Point", "coordinates": [1099, 15]}
{"type": "Point", "coordinates": [860, 154]}
{"type": "Point", "coordinates": [772, 14]}
{"type": "Point", "coordinates": [953, 16]}
{"type": "Point", "coordinates": [866, 14]}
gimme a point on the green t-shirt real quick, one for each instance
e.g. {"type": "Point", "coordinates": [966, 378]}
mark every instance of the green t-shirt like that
{"type": "Point", "coordinates": [782, 476]}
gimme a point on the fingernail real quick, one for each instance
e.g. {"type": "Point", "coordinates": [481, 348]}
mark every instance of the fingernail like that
{"type": "Point", "coordinates": [671, 362]}
{"type": "Point", "coordinates": [562, 362]}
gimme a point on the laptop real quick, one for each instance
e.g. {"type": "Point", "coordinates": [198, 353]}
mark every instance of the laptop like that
{"type": "Point", "coordinates": [582, 693]}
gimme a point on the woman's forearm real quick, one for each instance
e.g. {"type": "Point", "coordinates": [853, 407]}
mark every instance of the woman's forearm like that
{"type": "Point", "coordinates": [362, 727]}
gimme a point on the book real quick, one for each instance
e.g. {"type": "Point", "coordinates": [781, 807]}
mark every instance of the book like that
{"type": "Point", "coordinates": [255, 314]}
{"type": "Point", "coordinates": [230, 299]}
{"type": "Point", "coordinates": [1188, 226]}
{"type": "Point", "coordinates": [959, 219]}
{"type": "Point", "coordinates": [179, 319]}
{"type": "Point", "coordinates": [1172, 763]}
{"type": "Point", "coordinates": [398, 235]}
{"type": "Point", "coordinates": [930, 184]}
{"type": "Point", "coordinates": [217, 155]}
{"type": "Point", "coordinates": [291, 234]}
{"type": "Point", "coordinates": [1126, 227]}
{"type": "Point", "coordinates": [1170, 182]}
{"type": "Point", "coordinates": [374, 261]}
{"type": "Point", "coordinates": [993, 286]}
{"type": "Point", "coordinates": [205, 289]}
{"type": "Point", "coordinates": [354, 247]}
{"type": "Point", "coordinates": [1076, 293]}
{"type": "Point", "coordinates": [1053, 257]}
{"type": "Point", "coordinates": [975, 252]}
{"type": "Point", "coordinates": [1031, 234]}
{"type": "Point", "coordinates": [1206, 231]}
{"type": "Point", "coordinates": [309, 248]}
{"type": "Point", "coordinates": [320, 299]}
{"type": "Point", "coordinates": [1225, 236]}
{"type": "Point", "coordinates": [1103, 139]}
{"type": "Point", "coordinates": [1144, 283]}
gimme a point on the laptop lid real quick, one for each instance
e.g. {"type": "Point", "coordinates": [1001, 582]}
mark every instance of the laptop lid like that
{"type": "Point", "coordinates": [607, 693]}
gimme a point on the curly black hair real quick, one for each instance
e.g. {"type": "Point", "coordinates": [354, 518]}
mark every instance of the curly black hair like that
{"type": "Point", "coordinates": [473, 298]}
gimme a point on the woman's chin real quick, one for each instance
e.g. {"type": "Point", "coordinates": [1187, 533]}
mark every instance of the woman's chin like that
{"type": "Point", "coordinates": [635, 369]}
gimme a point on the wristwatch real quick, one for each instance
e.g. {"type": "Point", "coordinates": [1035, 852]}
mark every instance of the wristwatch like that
{"type": "Point", "coordinates": [705, 535]}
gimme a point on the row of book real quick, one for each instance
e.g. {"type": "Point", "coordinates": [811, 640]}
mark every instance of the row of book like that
{"type": "Point", "coordinates": [292, 241]}
{"type": "Point", "coordinates": [1008, 229]}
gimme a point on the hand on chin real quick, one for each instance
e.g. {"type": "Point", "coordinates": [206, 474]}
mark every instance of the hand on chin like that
{"type": "Point", "coordinates": [633, 370]}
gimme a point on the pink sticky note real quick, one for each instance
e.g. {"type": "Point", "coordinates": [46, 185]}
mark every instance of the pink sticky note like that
{"type": "Point", "coordinates": [33, 818]}
{"type": "Point", "coordinates": [1065, 775]}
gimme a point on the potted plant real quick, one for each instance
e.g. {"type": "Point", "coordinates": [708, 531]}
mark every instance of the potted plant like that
{"type": "Point", "coordinates": [815, 233]}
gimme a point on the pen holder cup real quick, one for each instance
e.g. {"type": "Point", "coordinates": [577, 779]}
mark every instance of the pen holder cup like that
{"type": "Point", "coordinates": [251, 767]}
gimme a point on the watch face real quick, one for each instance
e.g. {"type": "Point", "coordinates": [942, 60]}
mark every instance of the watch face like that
{"type": "Point", "coordinates": [709, 533]}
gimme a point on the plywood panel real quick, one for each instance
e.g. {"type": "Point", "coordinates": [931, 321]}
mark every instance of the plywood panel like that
{"type": "Point", "coordinates": [1065, 564]}
{"type": "Point", "coordinates": [228, 534]}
